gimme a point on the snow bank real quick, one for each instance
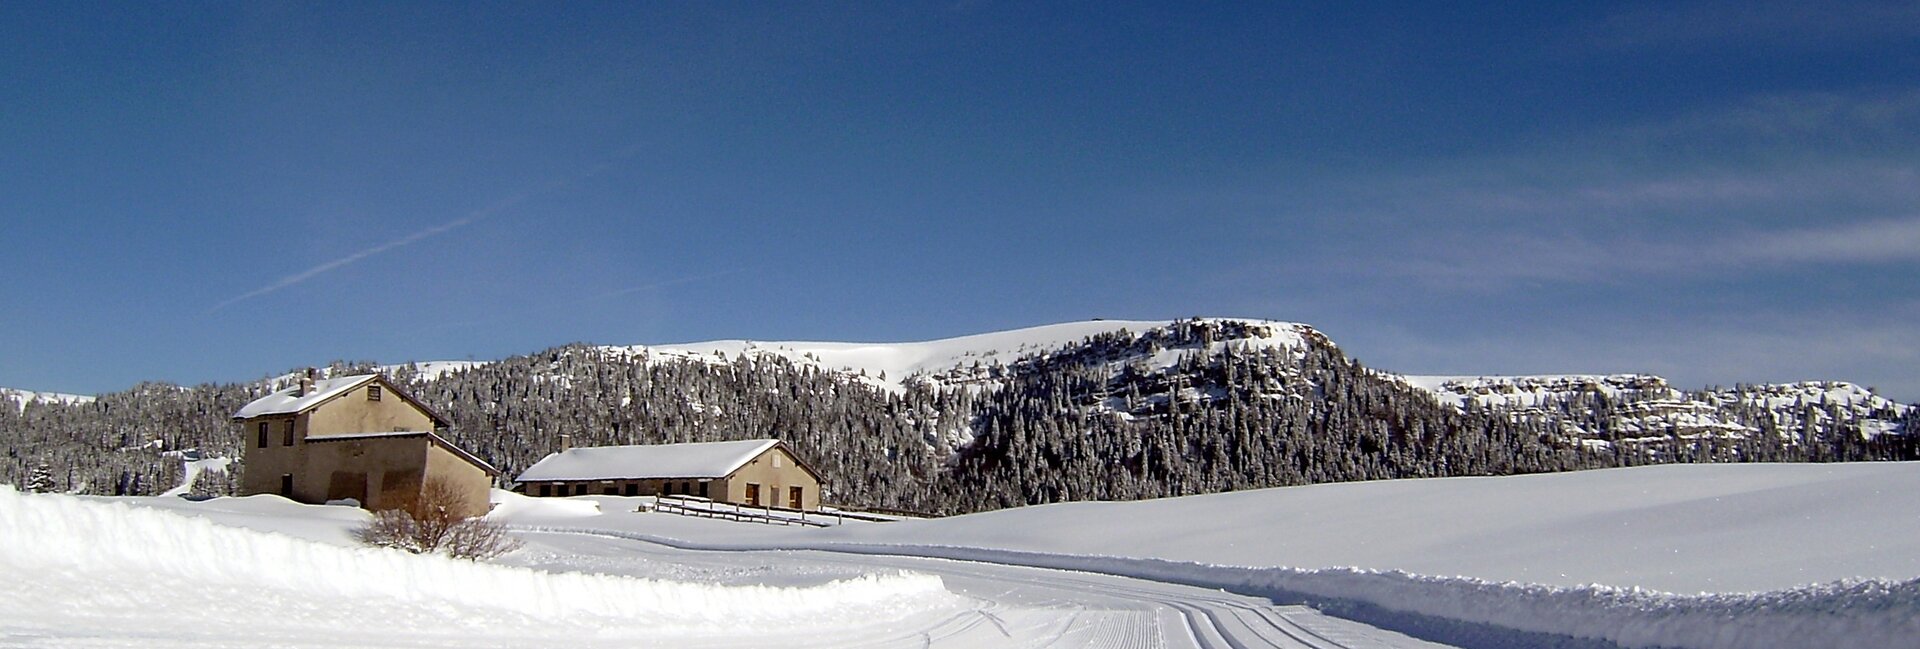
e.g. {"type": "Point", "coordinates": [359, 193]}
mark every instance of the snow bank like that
{"type": "Point", "coordinates": [1853, 613]}
{"type": "Point", "coordinates": [71, 563]}
{"type": "Point", "coordinates": [507, 504]}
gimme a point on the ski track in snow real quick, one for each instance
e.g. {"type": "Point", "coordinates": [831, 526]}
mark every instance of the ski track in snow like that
{"type": "Point", "coordinates": [1024, 606]}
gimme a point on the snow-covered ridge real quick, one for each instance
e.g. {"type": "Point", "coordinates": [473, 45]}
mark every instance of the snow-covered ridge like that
{"type": "Point", "coordinates": [892, 364]}
{"type": "Point", "coordinates": [24, 397]}
{"type": "Point", "coordinates": [1641, 407]}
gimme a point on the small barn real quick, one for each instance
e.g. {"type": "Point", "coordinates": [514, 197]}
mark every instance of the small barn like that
{"type": "Point", "coordinates": [758, 472]}
{"type": "Point", "coordinates": [354, 437]}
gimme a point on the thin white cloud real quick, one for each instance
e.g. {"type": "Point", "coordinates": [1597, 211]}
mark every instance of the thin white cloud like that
{"type": "Point", "coordinates": [1499, 260]}
{"type": "Point", "coordinates": [1875, 241]}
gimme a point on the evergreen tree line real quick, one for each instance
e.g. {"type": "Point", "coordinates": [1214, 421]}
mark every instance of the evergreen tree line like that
{"type": "Point", "coordinates": [1094, 420]}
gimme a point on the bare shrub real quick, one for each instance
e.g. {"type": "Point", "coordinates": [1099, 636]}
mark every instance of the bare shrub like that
{"type": "Point", "coordinates": [432, 523]}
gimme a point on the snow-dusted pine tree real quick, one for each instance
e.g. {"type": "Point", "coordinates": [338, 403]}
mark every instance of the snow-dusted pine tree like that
{"type": "Point", "coordinates": [40, 479]}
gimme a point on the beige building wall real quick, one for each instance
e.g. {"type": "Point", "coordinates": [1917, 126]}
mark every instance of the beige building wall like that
{"type": "Point", "coordinates": [775, 473]}
{"type": "Point", "coordinates": [471, 481]}
{"type": "Point", "coordinates": [262, 466]}
{"type": "Point", "coordinates": [380, 472]}
{"type": "Point", "coordinates": [351, 412]}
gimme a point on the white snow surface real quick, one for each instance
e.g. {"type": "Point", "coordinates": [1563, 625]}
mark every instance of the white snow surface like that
{"type": "Point", "coordinates": [433, 370]}
{"type": "Point", "coordinates": [897, 361]}
{"type": "Point", "coordinates": [690, 460]}
{"type": "Point", "coordinates": [288, 401]}
{"type": "Point", "coordinates": [86, 572]}
{"type": "Point", "coordinates": [1674, 528]}
{"type": "Point", "coordinates": [1777, 555]}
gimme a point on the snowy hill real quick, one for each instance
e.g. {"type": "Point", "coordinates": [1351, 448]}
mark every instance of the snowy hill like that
{"type": "Point", "coordinates": [1600, 410]}
{"type": "Point", "coordinates": [24, 397]}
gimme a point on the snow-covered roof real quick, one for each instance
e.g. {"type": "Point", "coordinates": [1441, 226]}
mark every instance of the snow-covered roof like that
{"type": "Point", "coordinates": [693, 460]}
{"type": "Point", "coordinates": [289, 401]}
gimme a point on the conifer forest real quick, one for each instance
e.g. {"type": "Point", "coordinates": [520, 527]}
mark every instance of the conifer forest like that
{"type": "Point", "coordinates": [1109, 417]}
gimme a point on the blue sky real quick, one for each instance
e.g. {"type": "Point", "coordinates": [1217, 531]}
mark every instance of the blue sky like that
{"type": "Point", "coordinates": [1711, 191]}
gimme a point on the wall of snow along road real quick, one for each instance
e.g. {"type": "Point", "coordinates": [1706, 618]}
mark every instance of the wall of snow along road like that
{"type": "Point", "coordinates": [71, 563]}
{"type": "Point", "coordinates": [1853, 613]}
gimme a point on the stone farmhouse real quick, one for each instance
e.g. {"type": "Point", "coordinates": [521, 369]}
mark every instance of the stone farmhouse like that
{"type": "Point", "coordinates": [758, 472]}
{"type": "Point", "coordinates": [357, 437]}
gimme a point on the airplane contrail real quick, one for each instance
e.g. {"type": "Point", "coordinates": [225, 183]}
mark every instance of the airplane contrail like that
{"type": "Point", "coordinates": [443, 228]}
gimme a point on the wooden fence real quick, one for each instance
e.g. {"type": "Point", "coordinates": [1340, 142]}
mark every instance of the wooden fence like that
{"type": "Point", "coordinates": [771, 515]}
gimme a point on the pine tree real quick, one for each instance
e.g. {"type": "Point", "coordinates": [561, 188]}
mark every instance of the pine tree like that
{"type": "Point", "coordinates": [40, 479]}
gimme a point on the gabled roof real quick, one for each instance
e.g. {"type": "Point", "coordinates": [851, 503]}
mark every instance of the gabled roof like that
{"type": "Point", "coordinates": [693, 460]}
{"type": "Point", "coordinates": [286, 402]}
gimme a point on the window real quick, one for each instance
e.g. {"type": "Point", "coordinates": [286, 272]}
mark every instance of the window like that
{"type": "Point", "coordinates": [286, 485]}
{"type": "Point", "coordinates": [686, 487]}
{"type": "Point", "coordinates": [753, 494]}
{"type": "Point", "coordinates": [263, 434]}
{"type": "Point", "coordinates": [373, 393]}
{"type": "Point", "coordinates": [776, 460]}
{"type": "Point", "coordinates": [289, 440]}
{"type": "Point", "coordinates": [633, 489]}
{"type": "Point", "coordinates": [546, 490]}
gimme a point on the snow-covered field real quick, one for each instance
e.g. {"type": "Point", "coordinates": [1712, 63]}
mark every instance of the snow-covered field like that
{"type": "Point", "coordinates": [1679, 556]}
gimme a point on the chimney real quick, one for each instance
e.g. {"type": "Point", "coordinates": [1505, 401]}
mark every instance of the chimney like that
{"type": "Point", "coordinates": [306, 383]}
{"type": "Point", "coordinates": [566, 443]}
